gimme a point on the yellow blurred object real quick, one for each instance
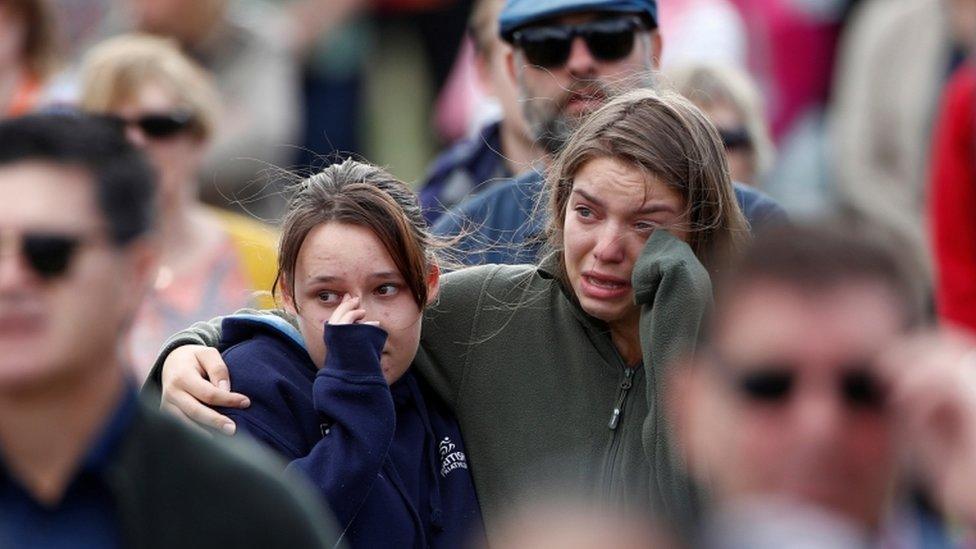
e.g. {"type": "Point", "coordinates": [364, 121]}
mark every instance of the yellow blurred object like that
{"type": "Point", "coordinates": [257, 245]}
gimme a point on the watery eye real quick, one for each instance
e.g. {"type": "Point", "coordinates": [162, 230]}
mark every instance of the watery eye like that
{"type": "Point", "coordinates": [387, 289]}
{"type": "Point", "coordinates": [645, 226]}
{"type": "Point", "coordinates": [583, 211]}
{"type": "Point", "coordinates": [329, 298]}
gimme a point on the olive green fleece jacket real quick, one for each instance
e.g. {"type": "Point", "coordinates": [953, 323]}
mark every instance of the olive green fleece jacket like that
{"type": "Point", "coordinates": [535, 381]}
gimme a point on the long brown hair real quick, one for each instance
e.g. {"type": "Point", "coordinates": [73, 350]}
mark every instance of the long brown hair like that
{"type": "Point", "coordinates": [663, 135]}
{"type": "Point", "coordinates": [360, 194]}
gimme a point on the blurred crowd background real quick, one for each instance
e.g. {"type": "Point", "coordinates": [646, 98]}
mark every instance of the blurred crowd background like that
{"type": "Point", "coordinates": [862, 107]}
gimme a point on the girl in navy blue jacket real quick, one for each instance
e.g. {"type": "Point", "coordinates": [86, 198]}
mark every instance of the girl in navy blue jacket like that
{"type": "Point", "coordinates": [335, 395]}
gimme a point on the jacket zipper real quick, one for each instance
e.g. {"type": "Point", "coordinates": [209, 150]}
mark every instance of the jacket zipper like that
{"type": "Point", "coordinates": [625, 386]}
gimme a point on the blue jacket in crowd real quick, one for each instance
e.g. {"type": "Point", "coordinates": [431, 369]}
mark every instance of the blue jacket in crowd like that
{"type": "Point", "coordinates": [505, 224]}
{"type": "Point", "coordinates": [388, 459]}
{"type": "Point", "coordinates": [468, 167]}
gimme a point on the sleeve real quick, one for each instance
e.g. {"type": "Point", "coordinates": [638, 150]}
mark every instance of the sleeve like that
{"type": "Point", "coordinates": [201, 333]}
{"type": "Point", "coordinates": [351, 393]}
{"type": "Point", "coordinates": [449, 330]}
{"type": "Point", "coordinates": [953, 202]}
{"type": "Point", "coordinates": [675, 293]}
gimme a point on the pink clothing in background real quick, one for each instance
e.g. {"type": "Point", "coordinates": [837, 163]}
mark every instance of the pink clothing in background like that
{"type": "Point", "coordinates": [791, 54]}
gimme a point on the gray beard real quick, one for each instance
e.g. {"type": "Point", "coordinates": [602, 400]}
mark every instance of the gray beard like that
{"type": "Point", "coordinates": [552, 132]}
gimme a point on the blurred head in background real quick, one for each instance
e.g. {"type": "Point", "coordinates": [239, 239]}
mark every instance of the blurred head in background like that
{"type": "Point", "coordinates": [732, 102]}
{"type": "Point", "coordinates": [569, 523]}
{"type": "Point", "coordinates": [167, 103]}
{"type": "Point", "coordinates": [188, 21]}
{"type": "Point", "coordinates": [491, 61]}
{"type": "Point", "coordinates": [28, 52]}
{"type": "Point", "coordinates": [570, 56]}
{"type": "Point", "coordinates": [785, 399]}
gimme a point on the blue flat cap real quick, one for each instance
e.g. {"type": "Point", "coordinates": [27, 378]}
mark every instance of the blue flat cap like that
{"type": "Point", "coordinates": [518, 13]}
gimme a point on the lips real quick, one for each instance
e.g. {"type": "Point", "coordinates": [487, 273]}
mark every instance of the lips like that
{"type": "Point", "coordinates": [603, 286]}
{"type": "Point", "coordinates": [584, 100]}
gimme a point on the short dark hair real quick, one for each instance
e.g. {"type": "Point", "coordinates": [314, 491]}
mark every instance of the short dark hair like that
{"type": "Point", "coordinates": [124, 181]}
{"type": "Point", "coordinates": [819, 256]}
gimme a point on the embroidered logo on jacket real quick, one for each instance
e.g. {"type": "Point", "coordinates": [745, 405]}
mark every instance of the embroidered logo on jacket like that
{"type": "Point", "coordinates": [451, 460]}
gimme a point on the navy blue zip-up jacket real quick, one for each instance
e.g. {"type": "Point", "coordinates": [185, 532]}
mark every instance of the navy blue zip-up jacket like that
{"type": "Point", "coordinates": [389, 460]}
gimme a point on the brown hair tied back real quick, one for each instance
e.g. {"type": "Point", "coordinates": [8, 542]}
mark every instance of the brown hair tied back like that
{"type": "Point", "coordinates": [360, 194]}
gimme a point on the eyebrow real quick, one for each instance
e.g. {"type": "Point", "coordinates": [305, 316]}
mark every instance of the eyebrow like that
{"type": "Point", "coordinates": [648, 209]}
{"type": "Point", "coordinates": [382, 275]}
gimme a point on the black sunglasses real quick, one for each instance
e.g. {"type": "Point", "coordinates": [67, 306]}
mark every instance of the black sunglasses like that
{"type": "Point", "coordinates": [735, 138]}
{"type": "Point", "coordinates": [858, 388]}
{"type": "Point", "coordinates": [49, 254]}
{"type": "Point", "coordinates": [158, 125]}
{"type": "Point", "coordinates": [549, 46]}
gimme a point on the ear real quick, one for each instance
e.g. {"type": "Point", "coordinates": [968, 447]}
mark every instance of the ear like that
{"type": "Point", "coordinates": [657, 48]}
{"type": "Point", "coordinates": [433, 283]}
{"type": "Point", "coordinates": [142, 262]}
{"type": "Point", "coordinates": [510, 55]}
{"type": "Point", "coordinates": [482, 70]}
{"type": "Point", "coordinates": [287, 296]}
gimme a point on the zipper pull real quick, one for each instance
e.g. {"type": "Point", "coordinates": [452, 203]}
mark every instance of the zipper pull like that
{"type": "Point", "coordinates": [614, 418]}
{"type": "Point", "coordinates": [624, 387]}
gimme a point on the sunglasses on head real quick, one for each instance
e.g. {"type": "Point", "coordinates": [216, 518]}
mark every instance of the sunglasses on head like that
{"type": "Point", "coordinates": [158, 125]}
{"type": "Point", "coordinates": [607, 39]}
{"type": "Point", "coordinates": [857, 388]}
{"type": "Point", "coordinates": [48, 254]}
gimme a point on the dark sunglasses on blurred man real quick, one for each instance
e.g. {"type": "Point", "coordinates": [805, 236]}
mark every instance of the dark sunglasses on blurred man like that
{"type": "Point", "coordinates": [158, 125]}
{"type": "Point", "coordinates": [548, 46]}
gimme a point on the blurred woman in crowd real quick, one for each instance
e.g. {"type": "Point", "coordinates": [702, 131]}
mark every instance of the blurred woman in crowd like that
{"type": "Point", "coordinates": [732, 102]}
{"type": "Point", "coordinates": [27, 54]}
{"type": "Point", "coordinates": [553, 369]}
{"type": "Point", "coordinates": [212, 261]}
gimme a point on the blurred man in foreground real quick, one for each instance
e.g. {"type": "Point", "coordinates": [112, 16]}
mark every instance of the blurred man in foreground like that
{"type": "Point", "coordinates": [81, 462]}
{"type": "Point", "coordinates": [810, 390]}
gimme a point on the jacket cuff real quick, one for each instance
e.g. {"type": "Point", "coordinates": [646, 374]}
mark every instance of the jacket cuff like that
{"type": "Point", "coordinates": [353, 349]}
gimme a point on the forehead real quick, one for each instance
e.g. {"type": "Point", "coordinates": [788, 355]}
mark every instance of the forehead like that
{"type": "Point", "coordinates": [47, 195]}
{"type": "Point", "coordinates": [151, 96]}
{"type": "Point", "coordinates": [623, 183]}
{"type": "Point", "coordinates": [575, 18]}
{"type": "Point", "coordinates": [768, 320]}
{"type": "Point", "coordinates": [345, 249]}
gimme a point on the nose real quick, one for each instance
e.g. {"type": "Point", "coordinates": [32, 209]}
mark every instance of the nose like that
{"type": "Point", "coordinates": [14, 273]}
{"type": "Point", "coordinates": [610, 245]}
{"type": "Point", "coordinates": [818, 419]}
{"type": "Point", "coordinates": [135, 135]}
{"type": "Point", "coordinates": [581, 61]}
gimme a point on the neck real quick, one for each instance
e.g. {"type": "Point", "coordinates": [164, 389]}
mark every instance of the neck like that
{"type": "Point", "coordinates": [626, 338]}
{"type": "Point", "coordinates": [520, 151]}
{"type": "Point", "coordinates": [182, 229]}
{"type": "Point", "coordinates": [44, 433]}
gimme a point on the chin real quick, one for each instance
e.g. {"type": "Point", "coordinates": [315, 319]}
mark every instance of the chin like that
{"type": "Point", "coordinates": [606, 312]}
